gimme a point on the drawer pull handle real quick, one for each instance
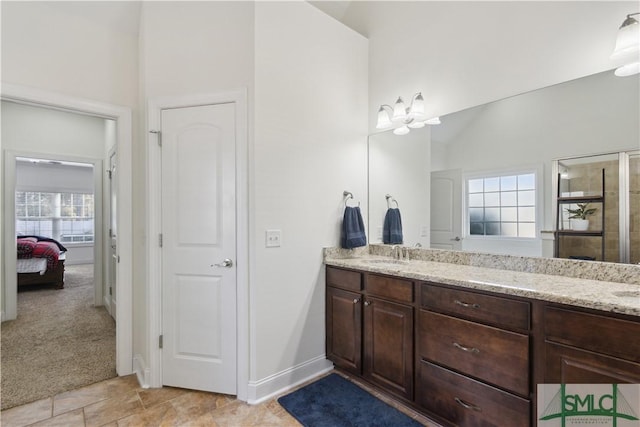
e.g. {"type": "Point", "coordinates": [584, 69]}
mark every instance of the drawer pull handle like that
{"type": "Point", "coordinates": [466, 304]}
{"type": "Point", "coordinates": [467, 349]}
{"type": "Point", "coordinates": [356, 300]}
{"type": "Point", "coordinates": [467, 405]}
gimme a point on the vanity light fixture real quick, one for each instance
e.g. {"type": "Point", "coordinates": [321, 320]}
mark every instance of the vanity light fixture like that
{"type": "Point", "coordinates": [413, 117]}
{"type": "Point", "coordinates": [627, 50]}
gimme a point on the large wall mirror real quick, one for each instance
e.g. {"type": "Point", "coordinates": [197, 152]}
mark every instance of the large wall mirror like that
{"type": "Point", "coordinates": [502, 149]}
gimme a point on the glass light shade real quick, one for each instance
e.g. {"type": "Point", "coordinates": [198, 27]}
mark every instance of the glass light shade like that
{"type": "Point", "coordinates": [402, 130]}
{"type": "Point", "coordinates": [628, 70]}
{"type": "Point", "coordinates": [417, 108]}
{"type": "Point", "coordinates": [433, 121]}
{"type": "Point", "coordinates": [628, 42]}
{"type": "Point", "coordinates": [383, 119]}
{"type": "Point", "coordinates": [416, 125]}
{"type": "Point", "coordinates": [399, 111]}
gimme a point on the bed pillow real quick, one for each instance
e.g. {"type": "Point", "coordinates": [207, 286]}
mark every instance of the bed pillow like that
{"type": "Point", "coordinates": [47, 239]}
{"type": "Point", "coordinates": [26, 246]}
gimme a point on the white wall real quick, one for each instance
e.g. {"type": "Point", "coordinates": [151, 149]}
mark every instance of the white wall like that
{"type": "Point", "coordinates": [461, 54]}
{"type": "Point", "coordinates": [400, 166]}
{"type": "Point", "coordinates": [310, 145]}
{"type": "Point", "coordinates": [59, 47]}
{"type": "Point", "coordinates": [44, 131]}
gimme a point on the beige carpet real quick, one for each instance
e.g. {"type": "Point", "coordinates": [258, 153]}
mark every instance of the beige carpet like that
{"type": "Point", "coordinates": [60, 341]}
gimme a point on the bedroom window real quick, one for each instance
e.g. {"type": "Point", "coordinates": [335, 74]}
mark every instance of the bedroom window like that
{"type": "Point", "coordinates": [66, 217]}
{"type": "Point", "coordinates": [502, 205]}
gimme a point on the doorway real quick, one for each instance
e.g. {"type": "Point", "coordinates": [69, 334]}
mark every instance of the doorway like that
{"type": "Point", "coordinates": [122, 136]}
{"type": "Point", "coordinates": [237, 102]}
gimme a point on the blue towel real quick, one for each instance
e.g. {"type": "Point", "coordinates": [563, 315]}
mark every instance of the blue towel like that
{"type": "Point", "coordinates": [392, 229]}
{"type": "Point", "coordinates": [353, 234]}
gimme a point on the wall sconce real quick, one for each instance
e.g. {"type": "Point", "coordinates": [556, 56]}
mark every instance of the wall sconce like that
{"type": "Point", "coordinates": [410, 118]}
{"type": "Point", "coordinates": [627, 51]}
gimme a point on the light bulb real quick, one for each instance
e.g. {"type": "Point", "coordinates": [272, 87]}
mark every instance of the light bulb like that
{"type": "Point", "coordinates": [416, 125]}
{"type": "Point", "coordinates": [402, 130]}
{"type": "Point", "coordinates": [399, 111]}
{"type": "Point", "coordinates": [383, 119]}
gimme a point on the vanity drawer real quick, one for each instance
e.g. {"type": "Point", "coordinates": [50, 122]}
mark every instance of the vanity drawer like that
{"type": "Point", "coordinates": [502, 312]}
{"type": "Point", "coordinates": [345, 279]}
{"type": "Point", "coordinates": [400, 290]}
{"type": "Point", "coordinates": [605, 335]}
{"type": "Point", "coordinates": [493, 355]}
{"type": "Point", "coordinates": [466, 402]}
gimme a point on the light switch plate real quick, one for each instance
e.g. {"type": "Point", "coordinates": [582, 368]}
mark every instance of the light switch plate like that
{"type": "Point", "coordinates": [273, 238]}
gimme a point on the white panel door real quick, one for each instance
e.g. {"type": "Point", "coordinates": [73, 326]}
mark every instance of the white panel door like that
{"type": "Point", "coordinates": [446, 209]}
{"type": "Point", "coordinates": [198, 235]}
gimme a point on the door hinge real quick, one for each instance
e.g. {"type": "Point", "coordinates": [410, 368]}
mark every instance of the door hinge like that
{"type": "Point", "coordinates": [160, 239]}
{"type": "Point", "coordinates": [110, 291]}
{"type": "Point", "coordinates": [159, 134]}
{"type": "Point", "coordinates": [160, 341]}
{"type": "Point", "coordinates": [110, 233]}
{"type": "Point", "coordinates": [109, 173]}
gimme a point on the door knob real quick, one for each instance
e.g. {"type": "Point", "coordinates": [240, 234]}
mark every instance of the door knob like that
{"type": "Point", "coordinates": [456, 239]}
{"type": "Point", "coordinates": [226, 263]}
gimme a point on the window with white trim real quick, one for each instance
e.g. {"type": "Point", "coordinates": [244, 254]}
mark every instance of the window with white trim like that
{"type": "Point", "coordinates": [502, 205]}
{"type": "Point", "coordinates": [66, 217]}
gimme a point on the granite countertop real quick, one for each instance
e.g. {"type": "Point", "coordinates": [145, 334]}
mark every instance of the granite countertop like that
{"type": "Point", "coordinates": [613, 297]}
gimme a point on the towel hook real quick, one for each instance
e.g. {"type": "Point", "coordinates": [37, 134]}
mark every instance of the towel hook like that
{"type": "Point", "coordinates": [348, 195]}
{"type": "Point", "coordinates": [389, 196]}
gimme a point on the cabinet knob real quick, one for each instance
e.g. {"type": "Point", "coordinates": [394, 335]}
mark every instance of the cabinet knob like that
{"type": "Point", "coordinates": [356, 300]}
{"type": "Point", "coordinates": [367, 303]}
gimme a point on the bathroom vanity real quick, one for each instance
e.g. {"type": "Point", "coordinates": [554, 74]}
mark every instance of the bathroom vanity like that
{"type": "Point", "coordinates": [467, 345]}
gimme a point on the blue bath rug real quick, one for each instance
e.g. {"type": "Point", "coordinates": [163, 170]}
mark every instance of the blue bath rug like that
{"type": "Point", "coordinates": [333, 401]}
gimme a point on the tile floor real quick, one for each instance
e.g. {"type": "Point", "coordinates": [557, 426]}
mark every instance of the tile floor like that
{"type": "Point", "coordinates": [120, 402]}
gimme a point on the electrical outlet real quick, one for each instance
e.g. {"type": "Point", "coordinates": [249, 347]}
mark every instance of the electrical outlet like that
{"type": "Point", "coordinates": [379, 233]}
{"type": "Point", "coordinates": [424, 231]}
{"type": "Point", "coordinates": [273, 238]}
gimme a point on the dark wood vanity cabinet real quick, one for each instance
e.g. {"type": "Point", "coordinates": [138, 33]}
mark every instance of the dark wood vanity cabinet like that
{"type": "Point", "coordinates": [370, 332]}
{"type": "Point", "coordinates": [469, 357]}
{"type": "Point", "coordinates": [586, 348]}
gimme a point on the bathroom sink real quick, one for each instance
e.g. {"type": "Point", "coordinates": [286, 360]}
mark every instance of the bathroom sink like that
{"type": "Point", "coordinates": [627, 294]}
{"type": "Point", "coordinates": [385, 261]}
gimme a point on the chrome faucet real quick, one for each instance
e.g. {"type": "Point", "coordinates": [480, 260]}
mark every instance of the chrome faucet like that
{"type": "Point", "coordinates": [397, 252]}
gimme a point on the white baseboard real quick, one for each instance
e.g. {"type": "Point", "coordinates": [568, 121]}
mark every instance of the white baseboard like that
{"type": "Point", "coordinates": [141, 370]}
{"type": "Point", "coordinates": [106, 302]}
{"type": "Point", "coordinates": [265, 389]}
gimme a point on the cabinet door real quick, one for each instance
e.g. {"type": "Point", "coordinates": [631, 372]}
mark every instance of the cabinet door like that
{"type": "Point", "coordinates": [388, 345]}
{"type": "Point", "coordinates": [344, 329]}
{"type": "Point", "coordinates": [569, 365]}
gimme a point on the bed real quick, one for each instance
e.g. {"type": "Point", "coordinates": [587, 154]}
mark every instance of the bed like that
{"type": "Point", "coordinates": [40, 261]}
